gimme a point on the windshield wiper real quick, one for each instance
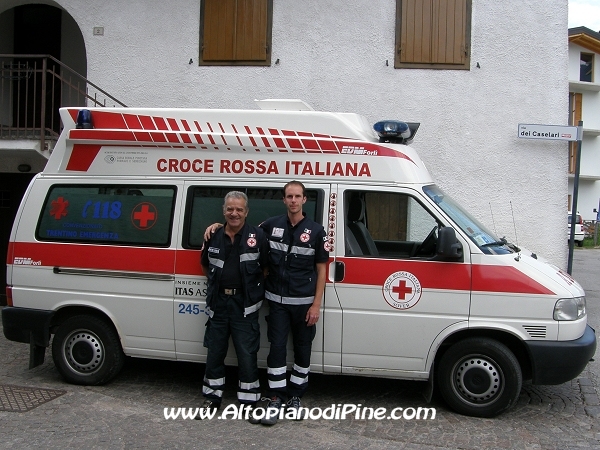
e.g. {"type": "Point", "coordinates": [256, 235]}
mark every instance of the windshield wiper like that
{"type": "Point", "coordinates": [513, 247]}
{"type": "Point", "coordinates": [499, 243]}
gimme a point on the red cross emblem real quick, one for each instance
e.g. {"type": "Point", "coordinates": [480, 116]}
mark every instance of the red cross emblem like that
{"type": "Point", "coordinates": [144, 216]}
{"type": "Point", "coordinates": [402, 290]}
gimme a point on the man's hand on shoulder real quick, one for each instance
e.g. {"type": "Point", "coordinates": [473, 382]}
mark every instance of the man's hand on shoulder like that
{"type": "Point", "coordinates": [210, 230]}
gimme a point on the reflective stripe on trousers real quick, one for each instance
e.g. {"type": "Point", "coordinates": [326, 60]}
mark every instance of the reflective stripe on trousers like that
{"type": "Point", "coordinates": [248, 392]}
{"type": "Point", "coordinates": [283, 319]}
{"type": "Point", "coordinates": [213, 387]}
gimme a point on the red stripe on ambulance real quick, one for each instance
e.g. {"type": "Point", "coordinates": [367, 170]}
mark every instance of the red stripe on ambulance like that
{"type": "Point", "coordinates": [505, 279]}
{"type": "Point", "coordinates": [442, 275]}
{"type": "Point", "coordinates": [431, 275]}
{"type": "Point", "coordinates": [82, 157]}
{"type": "Point", "coordinates": [132, 121]}
{"type": "Point", "coordinates": [147, 123]}
{"type": "Point", "coordinates": [100, 257]}
{"type": "Point", "coordinates": [109, 120]}
{"type": "Point", "coordinates": [374, 272]}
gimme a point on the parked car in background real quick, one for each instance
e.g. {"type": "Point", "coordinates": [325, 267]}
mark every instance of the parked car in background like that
{"type": "Point", "coordinates": [578, 229]}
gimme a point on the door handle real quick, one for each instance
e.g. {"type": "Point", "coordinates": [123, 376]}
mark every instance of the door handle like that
{"type": "Point", "coordinates": [340, 271]}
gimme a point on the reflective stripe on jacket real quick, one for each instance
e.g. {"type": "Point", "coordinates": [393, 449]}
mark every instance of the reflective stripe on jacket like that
{"type": "Point", "coordinates": [251, 244]}
{"type": "Point", "coordinates": [293, 255]}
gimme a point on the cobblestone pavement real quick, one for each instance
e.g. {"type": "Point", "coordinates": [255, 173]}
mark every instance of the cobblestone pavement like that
{"type": "Point", "coordinates": [128, 412]}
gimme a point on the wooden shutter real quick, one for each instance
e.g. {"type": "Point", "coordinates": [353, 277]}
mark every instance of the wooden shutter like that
{"type": "Point", "coordinates": [219, 30]}
{"type": "Point", "coordinates": [251, 30]}
{"type": "Point", "coordinates": [415, 44]}
{"type": "Point", "coordinates": [235, 30]}
{"type": "Point", "coordinates": [433, 32]}
{"type": "Point", "coordinates": [449, 25]}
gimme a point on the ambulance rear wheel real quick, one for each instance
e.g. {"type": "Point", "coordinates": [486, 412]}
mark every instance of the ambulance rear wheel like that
{"type": "Point", "coordinates": [86, 350]}
{"type": "Point", "coordinates": [479, 377]}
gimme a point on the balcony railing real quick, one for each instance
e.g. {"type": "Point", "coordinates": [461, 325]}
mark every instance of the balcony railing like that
{"type": "Point", "coordinates": [33, 88]}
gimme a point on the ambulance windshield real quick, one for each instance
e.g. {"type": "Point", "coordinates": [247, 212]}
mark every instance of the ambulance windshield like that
{"type": "Point", "coordinates": [478, 233]}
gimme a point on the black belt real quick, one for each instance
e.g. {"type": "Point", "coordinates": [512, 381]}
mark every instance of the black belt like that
{"type": "Point", "coordinates": [230, 291]}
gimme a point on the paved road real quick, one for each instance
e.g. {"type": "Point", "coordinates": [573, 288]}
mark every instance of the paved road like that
{"type": "Point", "coordinates": [128, 413]}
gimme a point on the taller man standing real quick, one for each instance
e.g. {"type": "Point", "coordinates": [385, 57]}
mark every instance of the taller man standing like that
{"type": "Point", "coordinates": [294, 288]}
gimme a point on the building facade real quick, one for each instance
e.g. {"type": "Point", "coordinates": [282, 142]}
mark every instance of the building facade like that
{"type": "Point", "coordinates": [468, 71]}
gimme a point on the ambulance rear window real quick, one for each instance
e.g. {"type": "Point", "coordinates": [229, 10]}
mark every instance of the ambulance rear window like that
{"type": "Point", "coordinates": [108, 214]}
{"type": "Point", "coordinates": [205, 207]}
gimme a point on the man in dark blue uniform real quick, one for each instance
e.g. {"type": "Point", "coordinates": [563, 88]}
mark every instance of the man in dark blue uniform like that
{"type": "Point", "coordinates": [298, 259]}
{"type": "Point", "coordinates": [233, 260]}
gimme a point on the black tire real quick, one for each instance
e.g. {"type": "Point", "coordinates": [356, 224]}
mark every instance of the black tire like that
{"type": "Point", "coordinates": [579, 243]}
{"type": "Point", "coordinates": [86, 350]}
{"type": "Point", "coordinates": [479, 377]}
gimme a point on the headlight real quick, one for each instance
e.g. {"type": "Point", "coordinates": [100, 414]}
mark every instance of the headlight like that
{"type": "Point", "coordinates": [569, 308]}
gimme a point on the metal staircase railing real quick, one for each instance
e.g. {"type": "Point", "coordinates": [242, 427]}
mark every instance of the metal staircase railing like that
{"type": "Point", "coordinates": [33, 88]}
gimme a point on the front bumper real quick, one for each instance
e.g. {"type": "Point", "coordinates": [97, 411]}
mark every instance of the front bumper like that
{"type": "Point", "coordinates": [560, 361]}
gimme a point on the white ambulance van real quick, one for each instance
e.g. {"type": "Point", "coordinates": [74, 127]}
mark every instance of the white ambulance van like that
{"type": "Point", "coordinates": [105, 253]}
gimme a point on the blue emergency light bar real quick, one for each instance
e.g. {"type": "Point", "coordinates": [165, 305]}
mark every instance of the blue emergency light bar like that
{"type": "Point", "coordinates": [396, 131]}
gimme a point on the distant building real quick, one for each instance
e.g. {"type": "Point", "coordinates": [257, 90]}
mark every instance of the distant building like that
{"type": "Point", "coordinates": [584, 104]}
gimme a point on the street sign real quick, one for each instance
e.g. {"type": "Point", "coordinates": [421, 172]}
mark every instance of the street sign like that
{"type": "Point", "coordinates": [560, 133]}
{"type": "Point", "coordinates": [554, 132]}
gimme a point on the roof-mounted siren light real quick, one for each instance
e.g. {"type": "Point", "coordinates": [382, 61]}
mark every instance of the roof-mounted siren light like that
{"type": "Point", "coordinates": [396, 131]}
{"type": "Point", "coordinates": [84, 119]}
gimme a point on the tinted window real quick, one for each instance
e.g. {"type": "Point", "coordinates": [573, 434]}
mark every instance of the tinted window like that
{"type": "Point", "coordinates": [205, 207]}
{"type": "Point", "coordinates": [108, 214]}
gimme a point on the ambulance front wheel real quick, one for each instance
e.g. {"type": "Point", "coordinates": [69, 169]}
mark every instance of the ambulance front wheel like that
{"type": "Point", "coordinates": [86, 350]}
{"type": "Point", "coordinates": [479, 377]}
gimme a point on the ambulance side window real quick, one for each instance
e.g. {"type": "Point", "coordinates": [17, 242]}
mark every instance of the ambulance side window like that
{"type": "Point", "coordinates": [388, 225]}
{"type": "Point", "coordinates": [108, 214]}
{"type": "Point", "coordinates": [204, 206]}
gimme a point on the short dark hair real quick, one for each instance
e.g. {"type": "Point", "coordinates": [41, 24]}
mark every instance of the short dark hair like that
{"type": "Point", "coordinates": [297, 183]}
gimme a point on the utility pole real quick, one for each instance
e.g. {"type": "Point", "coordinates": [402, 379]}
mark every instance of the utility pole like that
{"type": "Point", "coordinates": [575, 194]}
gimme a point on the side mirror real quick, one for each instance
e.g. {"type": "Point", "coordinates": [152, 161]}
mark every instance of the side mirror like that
{"type": "Point", "coordinates": [448, 247]}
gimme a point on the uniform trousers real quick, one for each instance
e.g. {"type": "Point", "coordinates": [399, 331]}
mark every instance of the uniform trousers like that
{"type": "Point", "coordinates": [228, 320]}
{"type": "Point", "coordinates": [282, 319]}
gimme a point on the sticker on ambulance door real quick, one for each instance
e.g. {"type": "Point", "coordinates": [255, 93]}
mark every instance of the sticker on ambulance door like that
{"type": "Point", "coordinates": [144, 216]}
{"type": "Point", "coordinates": [402, 290]}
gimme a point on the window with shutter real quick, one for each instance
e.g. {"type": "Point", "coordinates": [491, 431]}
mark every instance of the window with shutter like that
{"type": "Point", "coordinates": [433, 34]}
{"type": "Point", "coordinates": [235, 32]}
